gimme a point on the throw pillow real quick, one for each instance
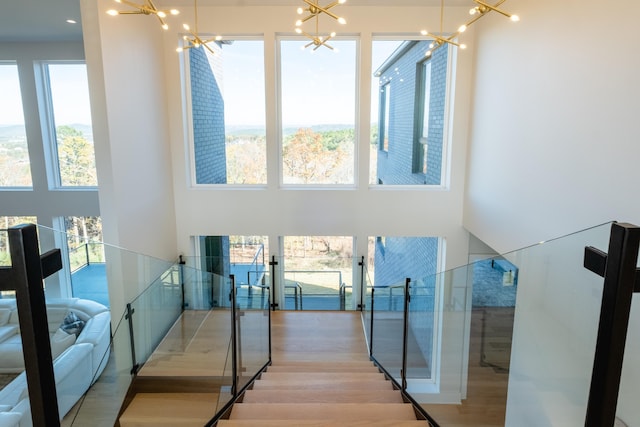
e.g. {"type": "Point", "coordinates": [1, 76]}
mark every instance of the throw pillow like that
{"type": "Point", "coordinates": [72, 324]}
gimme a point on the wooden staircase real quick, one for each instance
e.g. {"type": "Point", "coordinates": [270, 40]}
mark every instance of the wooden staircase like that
{"type": "Point", "coordinates": [322, 394]}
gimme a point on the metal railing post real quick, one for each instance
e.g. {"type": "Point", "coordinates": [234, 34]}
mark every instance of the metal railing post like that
{"type": "Point", "coordinates": [234, 344]}
{"type": "Point", "coordinates": [361, 305]}
{"type": "Point", "coordinates": [405, 334]}
{"type": "Point", "coordinates": [273, 264]}
{"type": "Point", "coordinates": [621, 279]}
{"type": "Point", "coordinates": [181, 264]}
{"type": "Point", "coordinates": [86, 251]}
{"type": "Point", "coordinates": [373, 291]}
{"type": "Point", "coordinates": [129, 318]}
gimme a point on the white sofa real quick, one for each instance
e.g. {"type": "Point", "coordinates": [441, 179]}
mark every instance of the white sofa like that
{"type": "Point", "coordinates": [78, 359]}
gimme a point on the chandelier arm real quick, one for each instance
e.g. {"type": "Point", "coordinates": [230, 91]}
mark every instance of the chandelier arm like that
{"type": "Point", "coordinates": [208, 48]}
{"type": "Point", "coordinates": [321, 9]}
{"type": "Point", "coordinates": [162, 22]}
{"type": "Point", "coordinates": [151, 5]}
{"type": "Point", "coordinates": [131, 12]}
{"type": "Point", "coordinates": [132, 4]}
{"type": "Point", "coordinates": [474, 19]}
{"type": "Point", "coordinates": [494, 7]}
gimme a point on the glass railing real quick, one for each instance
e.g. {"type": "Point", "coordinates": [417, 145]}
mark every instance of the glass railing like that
{"type": "Point", "coordinates": [531, 314]}
{"type": "Point", "coordinates": [110, 361]}
{"type": "Point", "coordinates": [86, 254]}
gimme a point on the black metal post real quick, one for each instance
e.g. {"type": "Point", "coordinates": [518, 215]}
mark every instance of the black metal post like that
{"type": "Point", "coordinates": [618, 267]}
{"type": "Point", "coordinates": [361, 306]}
{"type": "Point", "coordinates": [373, 291]}
{"type": "Point", "coordinates": [234, 345]}
{"type": "Point", "coordinates": [86, 251]}
{"type": "Point", "coordinates": [273, 264]}
{"type": "Point", "coordinates": [25, 276]}
{"type": "Point", "coordinates": [132, 341]}
{"type": "Point", "coordinates": [181, 263]}
{"type": "Point", "coordinates": [405, 334]}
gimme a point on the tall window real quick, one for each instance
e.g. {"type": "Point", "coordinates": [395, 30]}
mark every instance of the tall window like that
{"type": "Point", "coordinates": [411, 96]}
{"type": "Point", "coordinates": [75, 154]}
{"type": "Point", "coordinates": [228, 112]}
{"type": "Point", "coordinates": [15, 169]}
{"type": "Point", "coordinates": [423, 97]}
{"type": "Point", "coordinates": [318, 112]}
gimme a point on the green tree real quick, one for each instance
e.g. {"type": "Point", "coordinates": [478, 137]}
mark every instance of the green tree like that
{"type": "Point", "coordinates": [76, 158]}
{"type": "Point", "coordinates": [307, 160]}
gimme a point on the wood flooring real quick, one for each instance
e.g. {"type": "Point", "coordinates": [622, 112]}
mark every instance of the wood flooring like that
{"type": "Point", "coordinates": [323, 347]}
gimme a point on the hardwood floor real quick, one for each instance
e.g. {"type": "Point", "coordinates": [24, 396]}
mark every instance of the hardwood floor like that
{"type": "Point", "coordinates": [301, 340]}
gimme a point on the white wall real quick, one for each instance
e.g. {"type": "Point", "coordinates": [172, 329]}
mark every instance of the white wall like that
{"type": "Point", "coordinates": [129, 108]}
{"type": "Point", "coordinates": [553, 149]}
{"type": "Point", "coordinates": [553, 134]}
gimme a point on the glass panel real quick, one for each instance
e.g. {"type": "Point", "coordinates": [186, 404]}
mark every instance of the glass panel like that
{"type": "Point", "coordinates": [388, 326]}
{"type": "Point", "coordinates": [408, 102]}
{"type": "Point", "coordinates": [318, 273]}
{"type": "Point", "coordinates": [318, 142]}
{"type": "Point", "coordinates": [72, 117]}
{"type": "Point", "coordinates": [15, 168]}
{"type": "Point", "coordinates": [228, 112]}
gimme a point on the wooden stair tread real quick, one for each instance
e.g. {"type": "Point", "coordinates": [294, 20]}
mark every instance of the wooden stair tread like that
{"type": "Point", "coordinates": [322, 396]}
{"type": "Point", "coordinates": [169, 409]}
{"type": "Point", "coordinates": [322, 423]}
{"type": "Point", "coordinates": [323, 376]}
{"type": "Point", "coordinates": [302, 384]}
{"type": "Point", "coordinates": [323, 411]}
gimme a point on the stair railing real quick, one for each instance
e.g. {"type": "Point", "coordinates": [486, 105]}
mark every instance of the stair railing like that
{"type": "Point", "coordinates": [621, 281]}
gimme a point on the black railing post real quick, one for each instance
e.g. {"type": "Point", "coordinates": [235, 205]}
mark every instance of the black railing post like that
{"type": "Point", "coordinates": [129, 318]}
{"type": "Point", "coordinates": [234, 344]}
{"type": "Point", "coordinates": [25, 275]}
{"type": "Point", "coordinates": [181, 264]}
{"type": "Point", "coordinates": [618, 267]}
{"type": "Point", "coordinates": [405, 334]}
{"type": "Point", "coordinates": [273, 264]}
{"type": "Point", "coordinates": [361, 306]}
{"type": "Point", "coordinates": [373, 291]}
{"type": "Point", "coordinates": [86, 251]}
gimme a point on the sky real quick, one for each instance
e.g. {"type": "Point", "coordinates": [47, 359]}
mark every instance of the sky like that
{"type": "Point", "coordinates": [69, 89]}
{"type": "Point", "coordinates": [318, 87]}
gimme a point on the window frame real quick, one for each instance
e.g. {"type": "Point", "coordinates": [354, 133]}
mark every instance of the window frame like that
{"type": "Point", "coordinates": [384, 117]}
{"type": "Point", "coordinates": [280, 138]}
{"type": "Point", "coordinates": [49, 132]}
{"type": "Point", "coordinates": [421, 113]}
{"type": "Point", "coordinates": [187, 101]}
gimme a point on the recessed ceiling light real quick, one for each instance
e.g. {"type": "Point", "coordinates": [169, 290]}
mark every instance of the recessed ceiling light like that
{"type": "Point", "coordinates": [71, 21]}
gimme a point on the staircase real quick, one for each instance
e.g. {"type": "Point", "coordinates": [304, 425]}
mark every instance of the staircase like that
{"type": "Point", "coordinates": [322, 394]}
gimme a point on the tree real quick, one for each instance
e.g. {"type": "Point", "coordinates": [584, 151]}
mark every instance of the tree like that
{"type": "Point", "coordinates": [307, 159]}
{"type": "Point", "coordinates": [76, 158]}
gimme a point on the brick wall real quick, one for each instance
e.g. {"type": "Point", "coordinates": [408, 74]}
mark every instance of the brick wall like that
{"type": "Point", "coordinates": [396, 165]}
{"type": "Point", "coordinates": [207, 110]}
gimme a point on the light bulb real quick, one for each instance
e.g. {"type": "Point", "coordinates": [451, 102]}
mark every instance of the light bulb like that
{"type": "Point", "coordinates": [179, 49]}
{"type": "Point", "coordinates": [118, 1]}
{"type": "Point", "coordinates": [333, 34]}
{"type": "Point", "coordinates": [165, 27]}
{"type": "Point", "coordinates": [298, 30]}
{"type": "Point", "coordinates": [185, 38]}
{"type": "Point", "coordinates": [174, 11]}
{"type": "Point", "coordinates": [298, 22]}
{"type": "Point", "coordinates": [462, 28]}
{"type": "Point", "coordinates": [342, 21]}
{"type": "Point", "coordinates": [427, 53]}
{"type": "Point", "coordinates": [218, 38]}
{"type": "Point", "coordinates": [342, 1]}
{"type": "Point", "coordinates": [112, 12]}
{"type": "Point", "coordinates": [463, 46]}
{"type": "Point", "coordinates": [424, 32]}
{"type": "Point", "coordinates": [473, 10]}
{"type": "Point", "coordinates": [515, 18]}
{"type": "Point", "coordinates": [196, 44]}
{"type": "Point", "coordinates": [161, 14]}
{"type": "Point", "coordinates": [186, 27]}
{"type": "Point", "coordinates": [432, 45]}
{"type": "Point", "coordinates": [300, 11]}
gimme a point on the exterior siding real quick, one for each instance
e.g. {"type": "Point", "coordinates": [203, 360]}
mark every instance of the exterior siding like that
{"type": "Point", "coordinates": [207, 109]}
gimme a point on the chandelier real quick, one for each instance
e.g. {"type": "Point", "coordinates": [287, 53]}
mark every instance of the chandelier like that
{"type": "Point", "coordinates": [146, 8]}
{"type": "Point", "coordinates": [314, 10]}
{"type": "Point", "coordinates": [195, 41]}
{"type": "Point", "coordinates": [481, 9]}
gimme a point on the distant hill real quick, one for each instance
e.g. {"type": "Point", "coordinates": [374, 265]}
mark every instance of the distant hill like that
{"type": "Point", "coordinates": [12, 131]}
{"type": "Point", "coordinates": [288, 130]}
{"type": "Point", "coordinates": [17, 131]}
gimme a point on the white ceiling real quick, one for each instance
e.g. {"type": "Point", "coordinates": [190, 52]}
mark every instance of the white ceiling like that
{"type": "Point", "coordinates": [42, 20]}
